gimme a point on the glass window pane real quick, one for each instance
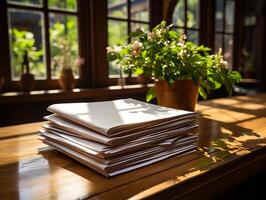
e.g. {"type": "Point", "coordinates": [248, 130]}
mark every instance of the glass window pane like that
{"type": "Point", "coordinates": [219, 15]}
{"type": "Point", "coordinates": [179, 14]}
{"type": "Point", "coordinates": [117, 34]}
{"type": "Point", "coordinates": [135, 26]}
{"type": "Point", "coordinates": [140, 10]}
{"type": "Point", "coordinates": [193, 36]}
{"type": "Point", "coordinates": [117, 8]}
{"type": "Point", "coordinates": [63, 43]}
{"type": "Point", "coordinates": [193, 14]}
{"type": "Point", "coordinates": [26, 2]}
{"type": "Point", "coordinates": [229, 16]}
{"type": "Point", "coordinates": [63, 4]}
{"type": "Point", "coordinates": [179, 30]}
{"type": "Point", "coordinates": [228, 49]}
{"type": "Point", "coordinates": [218, 43]}
{"type": "Point", "coordinates": [26, 35]}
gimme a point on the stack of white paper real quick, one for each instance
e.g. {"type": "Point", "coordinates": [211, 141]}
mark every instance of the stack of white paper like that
{"type": "Point", "coordinates": [113, 137]}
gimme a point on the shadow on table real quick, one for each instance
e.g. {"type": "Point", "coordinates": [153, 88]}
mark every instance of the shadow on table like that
{"type": "Point", "coordinates": [229, 128]}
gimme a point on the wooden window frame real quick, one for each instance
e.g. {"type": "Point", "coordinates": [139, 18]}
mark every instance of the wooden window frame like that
{"type": "Point", "coordinates": [92, 35]}
{"type": "Point", "coordinates": [48, 83]}
{"type": "Point", "coordinates": [185, 27]}
{"type": "Point", "coordinates": [128, 20]}
{"type": "Point", "coordinates": [223, 32]}
{"type": "Point", "coordinates": [207, 25]}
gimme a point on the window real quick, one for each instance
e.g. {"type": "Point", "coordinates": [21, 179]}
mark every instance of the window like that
{"type": "Point", "coordinates": [224, 28]}
{"type": "Point", "coordinates": [47, 30]}
{"type": "Point", "coordinates": [185, 19]}
{"type": "Point", "coordinates": [124, 17]}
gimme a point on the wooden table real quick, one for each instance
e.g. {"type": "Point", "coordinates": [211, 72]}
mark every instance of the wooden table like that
{"type": "Point", "coordinates": [232, 147]}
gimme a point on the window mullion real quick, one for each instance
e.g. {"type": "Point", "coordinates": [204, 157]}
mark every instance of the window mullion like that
{"type": "Point", "coordinates": [223, 26]}
{"type": "Point", "coordinates": [185, 16]}
{"type": "Point", "coordinates": [47, 40]}
{"type": "Point", "coordinates": [128, 18]}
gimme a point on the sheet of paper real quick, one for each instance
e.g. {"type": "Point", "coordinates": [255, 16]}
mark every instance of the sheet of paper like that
{"type": "Point", "coordinates": [115, 170]}
{"type": "Point", "coordinates": [111, 117]}
{"type": "Point", "coordinates": [59, 123]}
{"type": "Point", "coordinates": [124, 158]}
{"type": "Point", "coordinates": [135, 145]}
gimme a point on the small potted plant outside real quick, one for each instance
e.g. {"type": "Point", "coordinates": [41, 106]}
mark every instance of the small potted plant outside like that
{"type": "Point", "coordinates": [27, 81]}
{"type": "Point", "coordinates": [25, 54]}
{"type": "Point", "coordinates": [64, 60]}
{"type": "Point", "coordinates": [180, 69]}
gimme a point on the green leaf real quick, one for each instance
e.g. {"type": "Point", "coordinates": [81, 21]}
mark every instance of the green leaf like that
{"type": "Point", "coordinates": [151, 94]}
{"type": "Point", "coordinates": [202, 93]}
{"type": "Point", "coordinates": [138, 71]}
{"type": "Point", "coordinates": [135, 34]}
{"type": "Point", "coordinates": [173, 34]}
{"type": "Point", "coordinates": [228, 86]}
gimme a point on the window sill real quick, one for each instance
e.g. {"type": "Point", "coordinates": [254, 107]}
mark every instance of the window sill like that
{"type": "Point", "coordinates": [57, 95]}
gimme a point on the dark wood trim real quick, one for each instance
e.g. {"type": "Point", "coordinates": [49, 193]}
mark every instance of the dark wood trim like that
{"type": "Point", "coordinates": [126, 20]}
{"type": "Point", "coordinates": [99, 42]}
{"type": "Point", "coordinates": [238, 32]}
{"type": "Point", "coordinates": [185, 11]}
{"type": "Point", "coordinates": [223, 26]}
{"type": "Point", "coordinates": [47, 41]}
{"type": "Point", "coordinates": [43, 8]}
{"type": "Point", "coordinates": [169, 10]}
{"type": "Point", "coordinates": [84, 35]}
{"type": "Point", "coordinates": [51, 95]}
{"type": "Point", "coordinates": [156, 12]}
{"type": "Point", "coordinates": [129, 19]}
{"type": "Point", "coordinates": [207, 22]}
{"type": "Point", "coordinates": [5, 70]}
{"type": "Point", "coordinates": [262, 66]}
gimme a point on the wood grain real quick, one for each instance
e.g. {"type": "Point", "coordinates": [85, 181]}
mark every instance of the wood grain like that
{"type": "Point", "coordinates": [232, 147]}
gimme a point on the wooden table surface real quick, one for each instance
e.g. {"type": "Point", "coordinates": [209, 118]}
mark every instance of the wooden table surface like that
{"type": "Point", "coordinates": [232, 147]}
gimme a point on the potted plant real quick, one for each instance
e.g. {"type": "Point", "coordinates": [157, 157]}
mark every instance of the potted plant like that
{"type": "Point", "coordinates": [27, 81]}
{"type": "Point", "coordinates": [25, 54]}
{"type": "Point", "coordinates": [64, 60]}
{"type": "Point", "coordinates": [179, 68]}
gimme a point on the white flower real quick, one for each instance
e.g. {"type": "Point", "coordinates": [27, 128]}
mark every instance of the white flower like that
{"type": "Point", "coordinates": [109, 49]}
{"type": "Point", "coordinates": [224, 64]}
{"type": "Point", "coordinates": [151, 36]}
{"type": "Point", "coordinates": [117, 48]}
{"type": "Point", "coordinates": [220, 51]}
{"type": "Point", "coordinates": [29, 35]}
{"type": "Point", "coordinates": [136, 47]}
{"type": "Point", "coordinates": [182, 53]}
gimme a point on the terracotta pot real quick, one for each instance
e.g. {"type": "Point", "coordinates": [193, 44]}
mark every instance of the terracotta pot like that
{"type": "Point", "coordinates": [27, 82]}
{"type": "Point", "coordinates": [183, 94]}
{"type": "Point", "coordinates": [67, 80]}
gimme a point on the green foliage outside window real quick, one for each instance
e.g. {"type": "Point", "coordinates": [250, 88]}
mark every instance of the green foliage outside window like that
{"type": "Point", "coordinates": [24, 41]}
{"type": "Point", "coordinates": [64, 46]}
{"type": "Point", "coordinates": [64, 49]}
